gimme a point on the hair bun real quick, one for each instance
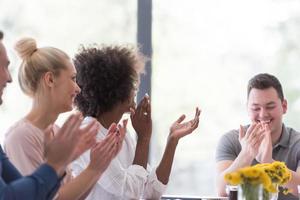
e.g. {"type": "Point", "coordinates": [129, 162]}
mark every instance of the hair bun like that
{"type": "Point", "coordinates": [25, 47]}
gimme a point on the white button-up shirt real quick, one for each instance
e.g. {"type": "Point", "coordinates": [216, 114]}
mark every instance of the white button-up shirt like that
{"type": "Point", "coordinates": [122, 179]}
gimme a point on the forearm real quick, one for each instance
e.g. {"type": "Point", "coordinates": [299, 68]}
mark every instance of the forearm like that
{"type": "Point", "coordinates": [39, 185]}
{"type": "Point", "coordinates": [241, 161]}
{"type": "Point", "coordinates": [80, 186]}
{"type": "Point", "coordinates": [164, 168]}
{"type": "Point", "coordinates": [142, 152]}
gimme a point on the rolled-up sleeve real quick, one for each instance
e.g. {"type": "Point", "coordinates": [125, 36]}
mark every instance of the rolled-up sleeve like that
{"type": "Point", "coordinates": [129, 183]}
{"type": "Point", "coordinates": [154, 189]}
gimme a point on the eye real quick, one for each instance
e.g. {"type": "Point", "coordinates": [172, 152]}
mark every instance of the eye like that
{"type": "Point", "coordinates": [74, 78]}
{"type": "Point", "coordinates": [270, 107]}
{"type": "Point", "coordinates": [255, 109]}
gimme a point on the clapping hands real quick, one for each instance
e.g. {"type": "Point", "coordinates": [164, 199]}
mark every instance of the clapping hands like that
{"type": "Point", "coordinates": [105, 150]}
{"type": "Point", "coordinates": [257, 142]}
{"type": "Point", "coordinates": [69, 142]}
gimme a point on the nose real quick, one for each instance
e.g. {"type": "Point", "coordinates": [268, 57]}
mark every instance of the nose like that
{"type": "Point", "coordinates": [8, 77]}
{"type": "Point", "coordinates": [78, 90]}
{"type": "Point", "coordinates": [263, 113]}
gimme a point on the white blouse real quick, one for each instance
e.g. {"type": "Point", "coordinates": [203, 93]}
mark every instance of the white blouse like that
{"type": "Point", "coordinates": [122, 179]}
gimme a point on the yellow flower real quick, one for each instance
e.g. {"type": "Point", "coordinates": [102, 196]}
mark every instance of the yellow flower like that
{"type": "Point", "coordinates": [233, 178]}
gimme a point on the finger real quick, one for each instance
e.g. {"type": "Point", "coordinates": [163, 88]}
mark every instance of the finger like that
{"type": "Point", "coordinates": [180, 119]}
{"type": "Point", "coordinates": [139, 107]}
{"type": "Point", "coordinates": [255, 131]}
{"type": "Point", "coordinates": [112, 128]}
{"type": "Point", "coordinates": [116, 150]}
{"type": "Point", "coordinates": [108, 140]}
{"type": "Point", "coordinates": [75, 129]}
{"type": "Point", "coordinates": [103, 145]}
{"type": "Point", "coordinates": [256, 135]}
{"type": "Point", "coordinates": [142, 110]}
{"type": "Point", "coordinates": [250, 129]}
{"type": "Point", "coordinates": [241, 132]}
{"type": "Point", "coordinates": [90, 135]}
{"type": "Point", "coordinates": [79, 114]}
{"type": "Point", "coordinates": [88, 138]}
{"type": "Point", "coordinates": [195, 124]}
{"type": "Point", "coordinates": [111, 144]}
{"type": "Point", "coordinates": [66, 126]}
{"type": "Point", "coordinates": [132, 112]}
{"type": "Point", "coordinates": [258, 142]}
{"type": "Point", "coordinates": [125, 121]}
{"type": "Point", "coordinates": [122, 132]}
{"type": "Point", "coordinates": [145, 103]}
{"type": "Point", "coordinates": [197, 113]}
{"type": "Point", "coordinates": [148, 109]}
{"type": "Point", "coordinates": [122, 129]}
{"type": "Point", "coordinates": [267, 128]}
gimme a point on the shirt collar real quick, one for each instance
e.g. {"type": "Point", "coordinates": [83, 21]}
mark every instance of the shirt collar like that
{"type": "Point", "coordinates": [102, 131]}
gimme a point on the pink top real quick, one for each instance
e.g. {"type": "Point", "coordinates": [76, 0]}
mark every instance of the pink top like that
{"type": "Point", "coordinates": [24, 145]}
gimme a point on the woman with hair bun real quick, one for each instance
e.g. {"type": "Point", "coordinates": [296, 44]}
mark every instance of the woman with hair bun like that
{"type": "Point", "coordinates": [48, 76]}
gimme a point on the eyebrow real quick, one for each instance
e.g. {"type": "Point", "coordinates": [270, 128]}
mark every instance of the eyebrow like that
{"type": "Point", "coordinates": [268, 104]}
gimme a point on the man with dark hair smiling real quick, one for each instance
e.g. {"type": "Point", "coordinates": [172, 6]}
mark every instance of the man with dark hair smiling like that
{"type": "Point", "coordinates": [59, 152]}
{"type": "Point", "coordinates": [266, 140]}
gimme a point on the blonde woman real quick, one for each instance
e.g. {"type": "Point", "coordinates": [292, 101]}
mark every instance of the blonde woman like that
{"type": "Point", "coordinates": [48, 76]}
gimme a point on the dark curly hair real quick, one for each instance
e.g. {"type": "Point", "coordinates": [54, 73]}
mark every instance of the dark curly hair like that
{"type": "Point", "coordinates": [106, 76]}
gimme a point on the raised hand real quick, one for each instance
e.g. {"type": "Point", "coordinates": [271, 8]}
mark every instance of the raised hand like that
{"type": "Point", "coordinates": [105, 150]}
{"type": "Point", "coordinates": [121, 135]}
{"type": "Point", "coordinates": [88, 137]}
{"type": "Point", "coordinates": [179, 129]}
{"type": "Point", "coordinates": [265, 149]}
{"type": "Point", "coordinates": [141, 118]}
{"type": "Point", "coordinates": [62, 148]}
{"type": "Point", "coordinates": [251, 140]}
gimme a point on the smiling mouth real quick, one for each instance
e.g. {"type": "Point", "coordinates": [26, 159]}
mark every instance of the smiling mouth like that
{"type": "Point", "coordinates": [265, 121]}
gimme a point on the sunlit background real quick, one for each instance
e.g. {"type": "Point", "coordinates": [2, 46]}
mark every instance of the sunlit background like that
{"type": "Point", "coordinates": [204, 53]}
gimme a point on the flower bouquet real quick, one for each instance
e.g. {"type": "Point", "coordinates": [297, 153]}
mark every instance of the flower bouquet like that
{"type": "Point", "coordinates": [265, 176]}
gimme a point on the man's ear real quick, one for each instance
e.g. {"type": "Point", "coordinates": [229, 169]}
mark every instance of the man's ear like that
{"type": "Point", "coordinates": [48, 79]}
{"type": "Point", "coordinates": [284, 106]}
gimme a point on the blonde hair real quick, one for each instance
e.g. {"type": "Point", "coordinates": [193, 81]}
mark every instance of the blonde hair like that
{"type": "Point", "coordinates": [36, 62]}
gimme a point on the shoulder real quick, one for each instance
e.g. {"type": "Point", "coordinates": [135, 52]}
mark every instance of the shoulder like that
{"type": "Point", "coordinates": [294, 137]}
{"type": "Point", "coordinates": [231, 137]}
{"type": "Point", "coordinates": [22, 131]}
{"type": "Point", "coordinates": [293, 132]}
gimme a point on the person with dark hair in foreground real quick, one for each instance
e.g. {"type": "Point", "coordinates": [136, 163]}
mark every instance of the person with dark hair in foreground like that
{"type": "Point", "coordinates": [64, 147]}
{"type": "Point", "coordinates": [108, 77]}
{"type": "Point", "coordinates": [265, 140]}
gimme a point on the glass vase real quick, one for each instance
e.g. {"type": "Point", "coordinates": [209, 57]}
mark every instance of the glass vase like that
{"type": "Point", "coordinates": [254, 192]}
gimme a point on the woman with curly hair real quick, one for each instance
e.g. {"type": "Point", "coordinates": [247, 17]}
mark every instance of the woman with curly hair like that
{"type": "Point", "coordinates": [109, 77]}
{"type": "Point", "coordinates": [48, 76]}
